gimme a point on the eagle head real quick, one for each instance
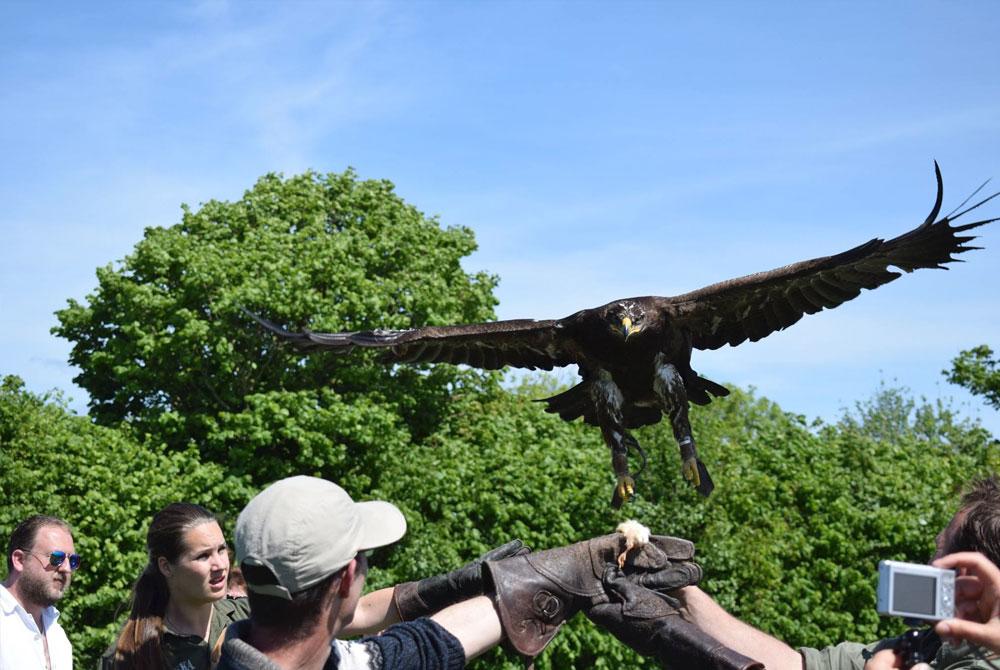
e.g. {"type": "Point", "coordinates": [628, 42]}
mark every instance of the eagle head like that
{"type": "Point", "coordinates": [626, 318]}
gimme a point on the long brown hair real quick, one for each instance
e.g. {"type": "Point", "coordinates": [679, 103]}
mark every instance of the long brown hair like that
{"type": "Point", "coordinates": [139, 645]}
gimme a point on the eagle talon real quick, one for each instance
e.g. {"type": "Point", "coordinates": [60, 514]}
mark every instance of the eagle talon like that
{"type": "Point", "coordinates": [624, 491]}
{"type": "Point", "coordinates": [690, 471]}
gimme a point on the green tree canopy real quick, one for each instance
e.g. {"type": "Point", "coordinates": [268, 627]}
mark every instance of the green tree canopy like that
{"type": "Point", "coordinates": [162, 343]}
{"type": "Point", "coordinates": [976, 370]}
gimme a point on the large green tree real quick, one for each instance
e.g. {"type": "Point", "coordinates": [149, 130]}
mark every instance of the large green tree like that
{"type": "Point", "coordinates": [162, 343]}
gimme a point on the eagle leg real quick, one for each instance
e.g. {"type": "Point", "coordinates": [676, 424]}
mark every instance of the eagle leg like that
{"type": "Point", "coordinates": [669, 387]}
{"type": "Point", "coordinates": [608, 400]}
{"type": "Point", "coordinates": [624, 484]}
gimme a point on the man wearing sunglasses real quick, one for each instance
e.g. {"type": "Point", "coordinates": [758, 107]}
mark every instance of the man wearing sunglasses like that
{"type": "Point", "coordinates": [40, 564]}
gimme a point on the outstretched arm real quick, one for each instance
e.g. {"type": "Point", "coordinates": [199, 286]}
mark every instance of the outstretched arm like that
{"type": "Point", "coordinates": [744, 638]}
{"type": "Point", "coordinates": [375, 613]}
{"type": "Point", "coordinates": [412, 600]}
{"type": "Point", "coordinates": [474, 622]}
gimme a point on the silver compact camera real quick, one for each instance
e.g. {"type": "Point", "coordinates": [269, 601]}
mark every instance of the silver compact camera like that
{"type": "Point", "coordinates": [915, 591]}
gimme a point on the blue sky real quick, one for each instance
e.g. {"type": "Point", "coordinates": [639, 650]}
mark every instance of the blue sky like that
{"type": "Point", "coordinates": [598, 151]}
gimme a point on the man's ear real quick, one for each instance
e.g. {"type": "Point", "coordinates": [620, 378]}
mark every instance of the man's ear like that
{"type": "Point", "coordinates": [164, 566]}
{"type": "Point", "coordinates": [17, 559]}
{"type": "Point", "coordinates": [347, 578]}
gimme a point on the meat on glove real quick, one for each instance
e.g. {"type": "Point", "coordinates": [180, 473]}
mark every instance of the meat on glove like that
{"type": "Point", "coordinates": [652, 623]}
{"type": "Point", "coordinates": [427, 596]}
{"type": "Point", "coordinates": [536, 593]}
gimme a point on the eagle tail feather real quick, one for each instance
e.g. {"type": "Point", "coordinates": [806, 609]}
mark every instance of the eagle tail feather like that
{"type": "Point", "coordinates": [570, 404]}
{"type": "Point", "coordinates": [701, 390]}
{"type": "Point", "coordinates": [717, 390]}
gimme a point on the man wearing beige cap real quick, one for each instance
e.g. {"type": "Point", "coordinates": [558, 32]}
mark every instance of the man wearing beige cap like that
{"type": "Point", "coordinates": [301, 544]}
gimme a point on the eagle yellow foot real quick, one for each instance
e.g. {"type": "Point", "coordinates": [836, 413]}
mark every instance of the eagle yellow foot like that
{"type": "Point", "coordinates": [690, 471]}
{"type": "Point", "coordinates": [624, 490]}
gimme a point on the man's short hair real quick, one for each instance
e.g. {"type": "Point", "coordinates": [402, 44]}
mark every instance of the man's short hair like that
{"type": "Point", "coordinates": [24, 534]}
{"type": "Point", "coordinates": [980, 525]}
{"type": "Point", "coordinates": [293, 619]}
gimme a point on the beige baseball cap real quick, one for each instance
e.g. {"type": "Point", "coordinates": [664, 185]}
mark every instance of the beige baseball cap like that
{"type": "Point", "coordinates": [305, 528]}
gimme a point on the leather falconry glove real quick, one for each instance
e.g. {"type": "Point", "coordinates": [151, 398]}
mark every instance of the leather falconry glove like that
{"type": "Point", "coordinates": [651, 623]}
{"type": "Point", "coordinates": [427, 596]}
{"type": "Point", "coordinates": [536, 593]}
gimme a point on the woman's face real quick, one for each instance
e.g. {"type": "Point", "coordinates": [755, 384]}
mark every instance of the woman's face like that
{"type": "Point", "coordinates": [200, 573]}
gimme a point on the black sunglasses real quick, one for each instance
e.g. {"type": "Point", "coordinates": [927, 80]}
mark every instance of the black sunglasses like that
{"type": "Point", "coordinates": [57, 557]}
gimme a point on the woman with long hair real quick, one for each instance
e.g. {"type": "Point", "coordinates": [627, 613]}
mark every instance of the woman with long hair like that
{"type": "Point", "coordinates": [179, 604]}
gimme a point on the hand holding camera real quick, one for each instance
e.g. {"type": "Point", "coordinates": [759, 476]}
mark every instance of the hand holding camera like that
{"type": "Point", "coordinates": [977, 601]}
{"type": "Point", "coordinates": [968, 579]}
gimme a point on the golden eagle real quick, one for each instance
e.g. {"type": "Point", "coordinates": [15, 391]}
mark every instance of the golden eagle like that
{"type": "Point", "coordinates": [634, 354]}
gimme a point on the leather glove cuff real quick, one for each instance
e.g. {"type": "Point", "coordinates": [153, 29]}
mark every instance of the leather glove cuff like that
{"type": "Point", "coordinates": [409, 604]}
{"type": "Point", "coordinates": [427, 596]}
{"type": "Point", "coordinates": [678, 643]}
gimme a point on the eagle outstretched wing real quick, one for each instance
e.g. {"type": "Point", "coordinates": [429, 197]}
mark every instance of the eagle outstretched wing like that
{"type": "Point", "coordinates": [522, 343]}
{"type": "Point", "coordinates": [634, 353]}
{"type": "Point", "coordinates": [754, 306]}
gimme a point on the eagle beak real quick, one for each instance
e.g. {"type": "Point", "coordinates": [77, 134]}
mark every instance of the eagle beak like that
{"type": "Point", "coordinates": [628, 328]}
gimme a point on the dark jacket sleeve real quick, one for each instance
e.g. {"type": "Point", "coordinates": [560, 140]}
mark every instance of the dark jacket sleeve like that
{"type": "Point", "coordinates": [414, 645]}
